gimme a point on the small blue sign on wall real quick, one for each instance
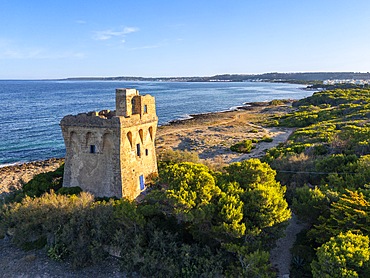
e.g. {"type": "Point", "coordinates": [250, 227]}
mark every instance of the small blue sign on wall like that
{"type": "Point", "coordinates": [142, 184]}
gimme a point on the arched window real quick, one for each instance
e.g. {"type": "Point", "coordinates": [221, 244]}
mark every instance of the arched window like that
{"type": "Point", "coordinates": [141, 135]}
{"type": "Point", "coordinates": [88, 139]}
{"type": "Point", "coordinates": [107, 143]}
{"type": "Point", "coordinates": [151, 132]}
{"type": "Point", "coordinates": [129, 137]}
{"type": "Point", "coordinates": [73, 142]}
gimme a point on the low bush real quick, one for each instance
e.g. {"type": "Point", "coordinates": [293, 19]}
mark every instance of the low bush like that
{"type": "Point", "coordinates": [303, 254]}
{"type": "Point", "coordinates": [74, 190]}
{"type": "Point", "coordinates": [178, 156]}
{"type": "Point", "coordinates": [242, 147]}
{"type": "Point", "coordinates": [73, 226]}
{"type": "Point", "coordinates": [40, 184]}
{"type": "Point", "coordinates": [266, 139]}
{"type": "Point", "coordinates": [276, 102]}
{"type": "Point", "coordinates": [44, 182]}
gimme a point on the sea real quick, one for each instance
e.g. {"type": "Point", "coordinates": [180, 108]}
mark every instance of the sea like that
{"type": "Point", "coordinates": [31, 110]}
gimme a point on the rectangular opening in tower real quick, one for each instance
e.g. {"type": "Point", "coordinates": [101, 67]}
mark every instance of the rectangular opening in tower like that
{"type": "Point", "coordinates": [92, 148]}
{"type": "Point", "coordinates": [138, 150]}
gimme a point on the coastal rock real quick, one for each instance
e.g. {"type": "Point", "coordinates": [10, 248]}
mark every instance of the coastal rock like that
{"type": "Point", "coordinates": [13, 177]}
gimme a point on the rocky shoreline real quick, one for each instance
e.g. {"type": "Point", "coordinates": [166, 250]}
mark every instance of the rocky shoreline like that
{"type": "Point", "coordinates": [12, 177]}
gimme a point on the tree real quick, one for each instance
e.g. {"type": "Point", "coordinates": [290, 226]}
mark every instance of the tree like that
{"type": "Point", "coordinates": [310, 203]}
{"type": "Point", "coordinates": [350, 213]}
{"type": "Point", "coordinates": [190, 196]}
{"type": "Point", "coordinates": [263, 196]}
{"type": "Point", "coordinates": [230, 217]}
{"type": "Point", "coordinates": [250, 173]}
{"type": "Point", "coordinates": [346, 255]}
{"type": "Point", "coordinates": [190, 186]}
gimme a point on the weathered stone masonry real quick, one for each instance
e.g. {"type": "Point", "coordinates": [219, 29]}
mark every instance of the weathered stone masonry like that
{"type": "Point", "coordinates": [111, 153]}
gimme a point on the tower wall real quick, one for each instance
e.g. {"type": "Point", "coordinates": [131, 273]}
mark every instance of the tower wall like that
{"type": "Point", "coordinates": [111, 154]}
{"type": "Point", "coordinates": [138, 157]}
{"type": "Point", "coordinates": [92, 155]}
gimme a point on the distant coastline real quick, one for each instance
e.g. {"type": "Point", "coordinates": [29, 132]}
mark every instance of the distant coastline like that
{"type": "Point", "coordinates": [308, 78]}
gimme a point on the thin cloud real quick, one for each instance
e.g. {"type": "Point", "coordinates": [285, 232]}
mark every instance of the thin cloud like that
{"type": "Point", "coordinates": [109, 34]}
{"type": "Point", "coordinates": [38, 54]}
{"type": "Point", "coordinates": [15, 53]}
{"type": "Point", "coordinates": [81, 21]}
{"type": "Point", "coordinates": [128, 30]}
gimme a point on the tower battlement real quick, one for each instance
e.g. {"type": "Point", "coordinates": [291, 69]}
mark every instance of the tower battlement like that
{"type": "Point", "coordinates": [110, 153]}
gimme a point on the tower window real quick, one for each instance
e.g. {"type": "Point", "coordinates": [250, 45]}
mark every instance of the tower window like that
{"type": "Point", "coordinates": [133, 105]}
{"type": "Point", "coordinates": [145, 109]}
{"type": "Point", "coordinates": [146, 152]}
{"type": "Point", "coordinates": [138, 150]}
{"type": "Point", "coordinates": [141, 133]}
{"type": "Point", "coordinates": [151, 132]}
{"type": "Point", "coordinates": [129, 136]}
{"type": "Point", "coordinates": [92, 149]}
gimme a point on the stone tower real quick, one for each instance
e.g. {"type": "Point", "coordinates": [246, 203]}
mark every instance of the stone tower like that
{"type": "Point", "coordinates": [112, 153]}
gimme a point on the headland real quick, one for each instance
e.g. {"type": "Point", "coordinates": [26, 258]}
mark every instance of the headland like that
{"type": "Point", "coordinates": [209, 135]}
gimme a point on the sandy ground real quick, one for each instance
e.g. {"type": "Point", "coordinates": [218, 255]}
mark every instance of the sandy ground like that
{"type": "Point", "coordinates": [210, 135]}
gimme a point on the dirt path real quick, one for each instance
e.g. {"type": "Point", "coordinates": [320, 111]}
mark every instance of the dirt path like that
{"type": "Point", "coordinates": [279, 135]}
{"type": "Point", "coordinates": [280, 256]}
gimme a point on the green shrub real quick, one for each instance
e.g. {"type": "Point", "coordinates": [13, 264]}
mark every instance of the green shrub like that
{"type": "Point", "coordinates": [44, 182]}
{"type": "Point", "coordinates": [162, 255]}
{"type": "Point", "coordinates": [74, 190]}
{"type": "Point", "coordinates": [302, 255]}
{"type": "Point", "coordinates": [74, 227]}
{"type": "Point", "coordinates": [178, 156]}
{"type": "Point", "coordinates": [276, 102]}
{"type": "Point", "coordinates": [266, 139]}
{"type": "Point", "coordinates": [345, 255]}
{"type": "Point", "coordinates": [242, 147]}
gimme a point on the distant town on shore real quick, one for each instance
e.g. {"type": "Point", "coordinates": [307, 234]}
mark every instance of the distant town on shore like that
{"type": "Point", "coordinates": [358, 78]}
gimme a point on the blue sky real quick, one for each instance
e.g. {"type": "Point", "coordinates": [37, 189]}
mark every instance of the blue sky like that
{"type": "Point", "coordinates": [58, 39]}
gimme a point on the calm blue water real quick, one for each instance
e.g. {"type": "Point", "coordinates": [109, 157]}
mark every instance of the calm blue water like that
{"type": "Point", "coordinates": [31, 110]}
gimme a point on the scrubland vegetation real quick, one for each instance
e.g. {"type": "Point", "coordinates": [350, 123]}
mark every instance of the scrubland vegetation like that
{"type": "Point", "coordinates": [325, 166]}
{"type": "Point", "coordinates": [193, 222]}
{"type": "Point", "coordinates": [200, 221]}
